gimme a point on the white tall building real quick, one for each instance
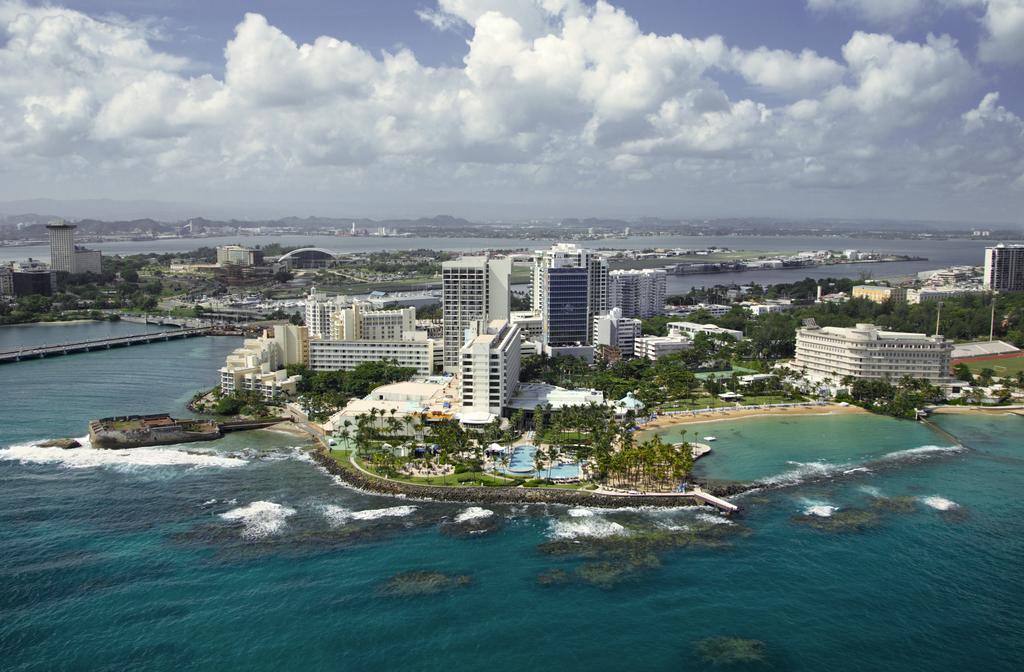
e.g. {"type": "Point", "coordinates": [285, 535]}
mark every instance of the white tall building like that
{"type": "Point", "coordinates": [62, 246]}
{"type": "Point", "coordinates": [259, 365]}
{"type": "Point", "coordinates": [570, 287]}
{"type": "Point", "coordinates": [489, 363]}
{"type": "Point", "coordinates": [472, 288]}
{"type": "Point", "coordinates": [612, 329]}
{"type": "Point", "coordinates": [321, 311]}
{"type": "Point", "coordinates": [639, 293]}
{"type": "Point", "coordinates": [1004, 268]}
{"type": "Point", "coordinates": [865, 351]}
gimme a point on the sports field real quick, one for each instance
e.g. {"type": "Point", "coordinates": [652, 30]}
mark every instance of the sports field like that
{"type": "Point", "coordinates": [1003, 367]}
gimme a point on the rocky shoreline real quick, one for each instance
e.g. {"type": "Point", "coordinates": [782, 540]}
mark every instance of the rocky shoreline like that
{"type": "Point", "coordinates": [509, 495]}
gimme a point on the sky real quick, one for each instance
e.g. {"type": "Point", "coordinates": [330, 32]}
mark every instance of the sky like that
{"type": "Point", "coordinates": [511, 109]}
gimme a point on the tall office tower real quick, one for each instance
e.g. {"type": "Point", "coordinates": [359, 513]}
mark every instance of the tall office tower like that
{"type": "Point", "coordinates": [639, 293]}
{"type": "Point", "coordinates": [1004, 268]}
{"type": "Point", "coordinates": [472, 288]}
{"type": "Point", "coordinates": [574, 313]}
{"type": "Point", "coordinates": [62, 246]}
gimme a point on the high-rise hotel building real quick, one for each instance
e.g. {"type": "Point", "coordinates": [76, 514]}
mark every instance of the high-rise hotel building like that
{"type": "Point", "coordinates": [65, 256]}
{"type": "Point", "coordinates": [1004, 268]}
{"type": "Point", "coordinates": [472, 289]}
{"type": "Point", "coordinates": [639, 293]}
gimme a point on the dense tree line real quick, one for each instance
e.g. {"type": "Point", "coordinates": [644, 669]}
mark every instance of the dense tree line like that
{"type": "Point", "coordinates": [324, 392]}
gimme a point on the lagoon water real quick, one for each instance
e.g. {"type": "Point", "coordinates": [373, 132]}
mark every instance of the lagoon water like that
{"type": "Point", "coordinates": [242, 555]}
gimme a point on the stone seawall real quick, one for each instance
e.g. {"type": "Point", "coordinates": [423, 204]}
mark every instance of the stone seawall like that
{"type": "Point", "coordinates": [503, 495]}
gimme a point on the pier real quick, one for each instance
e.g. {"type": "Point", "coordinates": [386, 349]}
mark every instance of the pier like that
{"type": "Point", "coordinates": [722, 504]}
{"type": "Point", "coordinates": [99, 344]}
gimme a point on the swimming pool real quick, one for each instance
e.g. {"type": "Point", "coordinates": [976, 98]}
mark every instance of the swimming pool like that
{"type": "Point", "coordinates": [521, 463]}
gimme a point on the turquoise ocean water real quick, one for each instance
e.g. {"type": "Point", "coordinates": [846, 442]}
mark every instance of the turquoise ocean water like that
{"type": "Point", "coordinates": [243, 555]}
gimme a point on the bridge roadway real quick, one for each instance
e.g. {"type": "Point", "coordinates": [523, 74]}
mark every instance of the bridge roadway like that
{"type": "Point", "coordinates": [99, 344]}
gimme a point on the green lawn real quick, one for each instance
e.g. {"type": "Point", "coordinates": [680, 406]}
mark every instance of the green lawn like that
{"type": "Point", "coordinates": [1003, 367]}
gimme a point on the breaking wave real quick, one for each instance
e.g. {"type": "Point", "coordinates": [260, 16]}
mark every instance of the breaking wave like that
{"type": "Point", "coordinates": [818, 508]}
{"type": "Point", "coordinates": [712, 519]}
{"type": "Point", "coordinates": [259, 519]}
{"type": "Point", "coordinates": [583, 526]}
{"type": "Point", "coordinates": [804, 471]}
{"type": "Point", "coordinates": [923, 451]}
{"type": "Point", "coordinates": [339, 515]}
{"type": "Point", "coordinates": [473, 513]}
{"type": "Point", "coordinates": [939, 503]}
{"type": "Point", "coordinates": [580, 512]}
{"type": "Point", "coordinates": [127, 458]}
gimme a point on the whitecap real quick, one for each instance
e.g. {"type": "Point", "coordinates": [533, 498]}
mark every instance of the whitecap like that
{"type": "Point", "coordinates": [580, 512]}
{"type": "Point", "coordinates": [209, 502]}
{"type": "Point", "coordinates": [122, 459]}
{"type": "Point", "coordinates": [940, 503]}
{"type": "Point", "coordinates": [871, 490]}
{"type": "Point", "coordinates": [820, 510]}
{"type": "Point", "coordinates": [473, 513]}
{"type": "Point", "coordinates": [922, 451]}
{"type": "Point", "coordinates": [390, 512]}
{"type": "Point", "coordinates": [803, 472]}
{"type": "Point", "coordinates": [259, 519]}
{"type": "Point", "coordinates": [586, 526]}
{"type": "Point", "coordinates": [712, 519]}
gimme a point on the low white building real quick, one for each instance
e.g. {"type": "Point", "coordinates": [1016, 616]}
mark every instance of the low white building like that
{"type": "Point", "coordinates": [612, 329]}
{"type": "Point", "coordinates": [691, 329]}
{"type": "Point", "coordinates": [770, 306]}
{"type": "Point", "coordinates": [924, 294]}
{"type": "Point", "coordinates": [259, 365]}
{"type": "Point", "coordinates": [551, 397]}
{"type": "Point", "coordinates": [656, 347]}
{"type": "Point", "coordinates": [867, 352]}
{"type": "Point", "coordinates": [417, 351]}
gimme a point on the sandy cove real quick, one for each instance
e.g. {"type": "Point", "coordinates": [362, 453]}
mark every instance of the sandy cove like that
{"type": "Point", "coordinates": [665, 421]}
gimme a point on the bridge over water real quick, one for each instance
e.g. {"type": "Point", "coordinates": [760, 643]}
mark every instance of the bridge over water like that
{"type": "Point", "coordinates": [99, 344]}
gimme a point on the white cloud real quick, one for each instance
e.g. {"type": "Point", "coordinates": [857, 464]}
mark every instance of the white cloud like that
{"type": "Point", "coordinates": [1004, 25]}
{"type": "Point", "coordinates": [553, 98]}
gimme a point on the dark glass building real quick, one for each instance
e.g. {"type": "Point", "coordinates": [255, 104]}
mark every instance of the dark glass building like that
{"type": "Point", "coordinates": [566, 313]}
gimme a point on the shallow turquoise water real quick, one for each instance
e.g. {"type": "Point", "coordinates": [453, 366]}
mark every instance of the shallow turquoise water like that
{"type": "Point", "coordinates": [127, 561]}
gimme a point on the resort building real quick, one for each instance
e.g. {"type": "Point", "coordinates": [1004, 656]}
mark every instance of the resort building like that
{"type": "Point", "coordinates": [490, 369]}
{"type": "Point", "coordinates": [472, 289]}
{"type": "Point", "coordinates": [691, 329]}
{"type": "Point", "coordinates": [259, 365]}
{"type": "Point", "coordinates": [867, 352]}
{"type": "Point", "coordinates": [880, 293]}
{"type": "Point", "coordinates": [570, 286]}
{"type": "Point", "coordinates": [321, 310]}
{"type": "Point", "coordinates": [551, 397]}
{"type": "Point", "coordinates": [638, 293]}
{"type": "Point", "coordinates": [1004, 268]}
{"type": "Point", "coordinates": [356, 323]}
{"type": "Point", "coordinates": [915, 296]}
{"type": "Point", "coordinates": [614, 330]}
{"type": "Point", "coordinates": [414, 351]}
{"type": "Point", "coordinates": [656, 347]}
{"type": "Point", "coordinates": [414, 401]}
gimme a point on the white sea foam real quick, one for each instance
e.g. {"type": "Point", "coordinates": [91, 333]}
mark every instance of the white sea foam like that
{"type": "Point", "coordinates": [821, 509]}
{"type": "Point", "coordinates": [127, 458]}
{"type": "Point", "coordinates": [802, 472]}
{"type": "Point", "coordinates": [336, 515]}
{"type": "Point", "coordinates": [871, 490]}
{"type": "Point", "coordinates": [940, 503]}
{"type": "Point", "coordinates": [585, 526]}
{"type": "Point", "coordinates": [580, 512]}
{"type": "Point", "coordinates": [712, 519]}
{"type": "Point", "coordinates": [259, 519]}
{"type": "Point", "coordinates": [922, 451]}
{"type": "Point", "coordinates": [390, 512]}
{"type": "Point", "coordinates": [209, 502]}
{"type": "Point", "coordinates": [473, 513]}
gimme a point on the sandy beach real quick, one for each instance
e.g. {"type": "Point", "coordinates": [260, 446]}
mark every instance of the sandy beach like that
{"type": "Point", "coordinates": [740, 413]}
{"type": "Point", "coordinates": [980, 410]}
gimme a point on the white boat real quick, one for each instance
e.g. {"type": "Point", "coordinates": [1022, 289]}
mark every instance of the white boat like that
{"type": "Point", "coordinates": [710, 438]}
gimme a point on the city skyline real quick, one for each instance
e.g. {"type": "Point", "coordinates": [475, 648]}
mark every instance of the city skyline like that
{"type": "Point", "coordinates": [488, 109]}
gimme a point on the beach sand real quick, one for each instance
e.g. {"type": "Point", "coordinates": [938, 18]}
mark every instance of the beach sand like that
{"type": "Point", "coordinates": [740, 413]}
{"type": "Point", "coordinates": [980, 410]}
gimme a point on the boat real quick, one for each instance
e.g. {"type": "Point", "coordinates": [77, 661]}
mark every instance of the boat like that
{"type": "Point", "coordinates": [710, 438]}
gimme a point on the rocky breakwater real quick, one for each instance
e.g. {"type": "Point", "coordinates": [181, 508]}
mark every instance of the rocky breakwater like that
{"type": "Point", "coordinates": [133, 431]}
{"type": "Point", "coordinates": [501, 495]}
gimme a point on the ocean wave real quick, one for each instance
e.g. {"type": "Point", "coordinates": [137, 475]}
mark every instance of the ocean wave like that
{"type": "Point", "coordinates": [585, 526]}
{"type": "Point", "coordinates": [871, 490]}
{"type": "Point", "coordinates": [802, 472]}
{"type": "Point", "coordinates": [473, 513]}
{"type": "Point", "coordinates": [939, 503]}
{"type": "Point", "coordinates": [580, 512]}
{"type": "Point", "coordinates": [87, 457]}
{"type": "Point", "coordinates": [389, 512]}
{"type": "Point", "coordinates": [259, 519]}
{"type": "Point", "coordinates": [818, 508]}
{"type": "Point", "coordinates": [922, 451]}
{"type": "Point", "coordinates": [712, 519]}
